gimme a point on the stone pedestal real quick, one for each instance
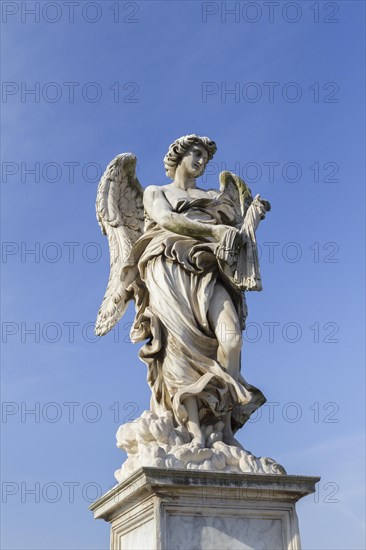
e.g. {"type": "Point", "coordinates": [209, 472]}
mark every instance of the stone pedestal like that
{"type": "Point", "coordinates": [160, 509]}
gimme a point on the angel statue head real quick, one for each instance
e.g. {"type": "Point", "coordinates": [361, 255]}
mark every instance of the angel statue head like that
{"type": "Point", "coordinates": [182, 146]}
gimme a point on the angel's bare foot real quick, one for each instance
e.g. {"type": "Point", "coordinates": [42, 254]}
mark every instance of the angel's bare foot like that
{"type": "Point", "coordinates": [227, 435]}
{"type": "Point", "coordinates": [193, 424]}
{"type": "Point", "coordinates": [229, 439]}
{"type": "Point", "coordinates": [198, 439]}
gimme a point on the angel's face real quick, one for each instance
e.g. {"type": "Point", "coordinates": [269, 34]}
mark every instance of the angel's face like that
{"type": "Point", "coordinates": [194, 161]}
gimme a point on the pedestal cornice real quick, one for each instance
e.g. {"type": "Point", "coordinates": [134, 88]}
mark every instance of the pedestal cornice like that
{"type": "Point", "coordinates": [147, 482]}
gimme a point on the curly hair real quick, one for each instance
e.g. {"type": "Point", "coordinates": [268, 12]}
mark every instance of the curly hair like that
{"type": "Point", "coordinates": [180, 146]}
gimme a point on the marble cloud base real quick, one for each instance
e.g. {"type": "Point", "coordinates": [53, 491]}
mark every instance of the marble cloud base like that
{"type": "Point", "coordinates": [161, 509]}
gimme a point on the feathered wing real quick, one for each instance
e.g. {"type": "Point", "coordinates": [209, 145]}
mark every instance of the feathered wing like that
{"type": "Point", "coordinates": [239, 193]}
{"type": "Point", "coordinates": [120, 215]}
{"type": "Point", "coordinates": [237, 253]}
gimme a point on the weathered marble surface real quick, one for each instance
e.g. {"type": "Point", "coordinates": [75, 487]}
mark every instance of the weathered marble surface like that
{"type": "Point", "coordinates": [194, 510]}
{"type": "Point", "coordinates": [186, 256]}
{"type": "Point", "coordinates": [153, 441]}
{"type": "Point", "coordinates": [213, 532]}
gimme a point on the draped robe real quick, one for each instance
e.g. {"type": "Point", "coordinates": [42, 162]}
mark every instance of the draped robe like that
{"type": "Point", "coordinates": [173, 279]}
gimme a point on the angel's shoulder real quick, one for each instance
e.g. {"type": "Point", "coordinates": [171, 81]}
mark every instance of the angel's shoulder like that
{"type": "Point", "coordinates": [155, 188]}
{"type": "Point", "coordinates": [209, 192]}
{"type": "Point", "coordinates": [150, 189]}
{"type": "Point", "coordinates": [152, 192]}
{"type": "Point", "coordinates": [213, 192]}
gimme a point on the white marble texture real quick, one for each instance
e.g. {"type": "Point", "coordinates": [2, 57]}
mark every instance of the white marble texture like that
{"type": "Point", "coordinates": [195, 510]}
{"type": "Point", "coordinates": [142, 537]}
{"type": "Point", "coordinates": [185, 256]}
{"type": "Point", "coordinates": [153, 441]}
{"type": "Point", "coordinates": [192, 532]}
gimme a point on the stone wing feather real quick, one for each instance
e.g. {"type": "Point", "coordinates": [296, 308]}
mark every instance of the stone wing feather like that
{"type": "Point", "coordinates": [120, 215]}
{"type": "Point", "coordinates": [239, 193]}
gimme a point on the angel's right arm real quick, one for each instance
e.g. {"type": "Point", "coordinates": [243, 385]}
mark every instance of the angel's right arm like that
{"type": "Point", "coordinates": [159, 210]}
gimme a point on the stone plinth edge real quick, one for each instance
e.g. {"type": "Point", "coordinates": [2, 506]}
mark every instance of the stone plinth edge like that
{"type": "Point", "coordinates": [146, 481]}
{"type": "Point", "coordinates": [176, 509]}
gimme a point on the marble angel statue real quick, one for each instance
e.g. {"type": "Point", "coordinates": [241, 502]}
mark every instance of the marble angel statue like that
{"type": "Point", "coordinates": [186, 256]}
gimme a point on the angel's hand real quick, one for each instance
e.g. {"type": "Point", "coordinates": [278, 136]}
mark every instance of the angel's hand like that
{"type": "Point", "coordinates": [266, 204]}
{"type": "Point", "coordinates": [262, 206]}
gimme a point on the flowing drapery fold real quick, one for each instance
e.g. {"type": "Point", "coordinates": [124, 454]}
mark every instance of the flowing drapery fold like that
{"type": "Point", "coordinates": [173, 278]}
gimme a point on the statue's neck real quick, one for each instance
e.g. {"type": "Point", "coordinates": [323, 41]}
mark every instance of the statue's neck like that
{"type": "Point", "coordinates": [185, 183]}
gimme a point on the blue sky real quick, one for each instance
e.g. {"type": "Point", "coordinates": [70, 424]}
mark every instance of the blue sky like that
{"type": "Point", "coordinates": [143, 74]}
